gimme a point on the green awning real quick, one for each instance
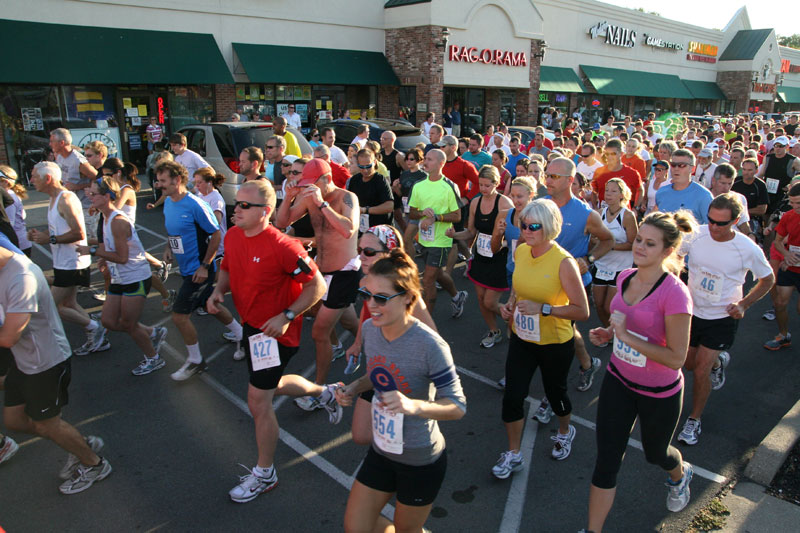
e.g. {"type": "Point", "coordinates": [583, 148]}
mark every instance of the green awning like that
{"type": "Point", "coordinates": [560, 80]}
{"type": "Point", "coordinates": [789, 95]}
{"type": "Point", "coordinates": [269, 63]}
{"type": "Point", "coordinates": [92, 55]}
{"type": "Point", "coordinates": [621, 82]}
{"type": "Point", "coordinates": [704, 90]}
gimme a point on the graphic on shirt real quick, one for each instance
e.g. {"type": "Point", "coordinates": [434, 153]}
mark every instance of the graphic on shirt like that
{"type": "Point", "coordinates": [387, 378]}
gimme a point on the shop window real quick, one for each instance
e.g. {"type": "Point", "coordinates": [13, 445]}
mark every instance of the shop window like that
{"type": "Point", "coordinates": [28, 114]}
{"type": "Point", "coordinates": [197, 142]}
{"type": "Point", "coordinates": [508, 107]}
{"type": "Point", "coordinates": [408, 103]}
{"type": "Point", "coordinates": [255, 101]}
{"type": "Point", "coordinates": [191, 105]}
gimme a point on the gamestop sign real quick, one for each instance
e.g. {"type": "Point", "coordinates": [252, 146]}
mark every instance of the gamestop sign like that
{"type": "Point", "coordinates": [487, 56]}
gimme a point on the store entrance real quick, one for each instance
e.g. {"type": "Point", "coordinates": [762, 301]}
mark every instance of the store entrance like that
{"type": "Point", "coordinates": [472, 103]}
{"type": "Point", "coordinates": [135, 108]}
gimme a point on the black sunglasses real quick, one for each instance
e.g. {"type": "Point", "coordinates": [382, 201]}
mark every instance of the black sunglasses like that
{"type": "Point", "coordinates": [365, 167]}
{"type": "Point", "coordinates": [534, 226]}
{"type": "Point", "coordinates": [679, 164]}
{"type": "Point", "coordinates": [247, 205]}
{"type": "Point", "coordinates": [713, 222]}
{"type": "Point", "coordinates": [380, 299]}
{"type": "Point", "coordinates": [370, 252]}
{"type": "Point", "coordinates": [295, 172]}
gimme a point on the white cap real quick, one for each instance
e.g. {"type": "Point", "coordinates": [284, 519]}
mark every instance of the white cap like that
{"type": "Point", "coordinates": [781, 140]}
{"type": "Point", "coordinates": [712, 146]}
{"type": "Point", "coordinates": [705, 152]}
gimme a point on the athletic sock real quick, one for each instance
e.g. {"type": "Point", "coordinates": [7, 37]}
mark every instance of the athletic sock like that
{"type": "Point", "coordinates": [235, 328]}
{"type": "Point", "coordinates": [260, 471]}
{"type": "Point", "coordinates": [326, 395]}
{"type": "Point", "coordinates": [194, 353]}
{"type": "Point", "coordinates": [93, 325]}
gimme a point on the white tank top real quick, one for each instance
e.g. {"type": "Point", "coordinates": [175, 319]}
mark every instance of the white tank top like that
{"type": "Point", "coordinates": [128, 210]}
{"type": "Point", "coordinates": [136, 269]}
{"type": "Point", "coordinates": [651, 192]}
{"type": "Point", "coordinates": [65, 256]}
{"type": "Point", "coordinates": [616, 260]}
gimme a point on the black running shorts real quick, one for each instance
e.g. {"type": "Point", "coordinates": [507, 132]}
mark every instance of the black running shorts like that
{"type": "Point", "coordinates": [415, 486]}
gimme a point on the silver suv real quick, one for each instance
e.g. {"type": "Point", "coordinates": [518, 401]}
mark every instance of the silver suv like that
{"type": "Point", "coordinates": [220, 143]}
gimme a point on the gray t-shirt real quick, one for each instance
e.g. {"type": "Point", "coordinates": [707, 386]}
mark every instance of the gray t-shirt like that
{"type": "Point", "coordinates": [24, 289]}
{"type": "Point", "coordinates": [419, 365]}
{"type": "Point", "coordinates": [71, 173]}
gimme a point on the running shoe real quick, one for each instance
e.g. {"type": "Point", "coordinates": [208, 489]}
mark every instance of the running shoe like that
{"type": "Point", "coordinates": [718, 374]}
{"type": "Point", "coordinates": [251, 485]}
{"type": "Point", "coordinates": [239, 354]}
{"type": "Point", "coordinates": [84, 348]}
{"type": "Point", "coordinates": [438, 286]}
{"type": "Point", "coordinates": [563, 444]}
{"type": "Point", "coordinates": [491, 338]}
{"type": "Point", "coordinates": [502, 382]}
{"type": "Point", "coordinates": [308, 403]}
{"type": "Point", "coordinates": [458, 303]}
{"type": "Point", "coordinates": [331, 405]}
{"type": "Point", "coordinates": [352, 364]}
{"type": "Point", "coordinates": [544, 413]}
{"type": "Point", "coordinates": [587, 376]}
{"type": "Point", "coordinates": [148, 365]}
{"type": "Point", "coordinates": [99, 295]}
{"type": "Point", "coordinates": [769, 314]}
{"type": "Point", "coordinates": [679, 493]}
{"type": "Point", "coordinates": [95, 443]}
{"type": "Point", "coordinates": [337, 352]}
{"type": "Point", "coordinates": [169, 301]}
{"type": "Point", "coordinates": [158, 337]}
{"type": "Point", "coordinates": [85, 476]}
{"type": "Point", "coordinates": [163, 272]}
{"type": "Point", "coordinates": [201, 311]}
{"type": "Point", "coordinates": [690, 432]}
{"type": "Point", "coordinates": [509, 462]}
{"type": "Point", "coordinates": [98, 338]}
{"type": "Point", "coordinates": [105, 345]}
{"type": "Point", "coordinates": [8, 449]}
{"type": "Point", "coordinates": [779, 342]}
{"type": "Point", "coordinates": [188, 370]}
{"type": "Point", "coordinates": [230, 336]}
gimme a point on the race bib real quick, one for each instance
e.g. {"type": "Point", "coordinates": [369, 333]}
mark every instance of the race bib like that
{"type": "Point", "coordinates": [363, 223]}
{"type": "Point", "coordinates": [176, 244]}
{"type": "Point", "coordinates": [604, 274]}
{"type": "Point", "coordinates": [484, 245]}
{"type": "Point", "coordinates": [114, 269]}
{"type": "Point", "coordinates": [327, 279]}
{"type": "Point", "coordinates": [264, 352]}
{"type": "Point", "coordinates": [708, 284]}
{"type": "Point", "coordinates": [279, 194]}
{"type": "Point", "coordinates": [406, 208]}
{"type": "Point", "coordinates": [624, 352]}
{"type": "Point", "coordinates": [772, 185]}
{"type": "Point", "coordinates": [2, 315]}
{"type": "Point", "coordinates": [513, 249]}
{"type": "Point", "coordinates": [794, 250]}
{"type": "Point", "coordinates": [428, 234]}
{"type": "Point", "coordinates": [387, 428]}
{"type": "Point", "coordinates": [527, 326]}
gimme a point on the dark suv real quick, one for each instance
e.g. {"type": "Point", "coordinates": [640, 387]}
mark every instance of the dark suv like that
{"type": "Point", "coordinates": [408, 135]}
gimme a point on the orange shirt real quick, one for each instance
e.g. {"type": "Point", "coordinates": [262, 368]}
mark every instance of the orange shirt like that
{"type": "Point", "coordinates": [637, 163]}
{"type": "Point", "coordinates": [626, 173]}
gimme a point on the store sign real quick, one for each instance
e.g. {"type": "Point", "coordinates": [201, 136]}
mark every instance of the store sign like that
{"type": "Point", "coordinates": [705, 53]}
{"type": "Point", "coordinates": [656, 42]}
{"type": "Point", "coordinates": [487, 56]}
{"type": "Point", "coordinates": [764, 88]}
{"type": "Point", "coordinates": [786, 66]}
{"type": "Point", "coordinates": [160, 110]}
{"type": "Point", "coordinates": [614, 35]}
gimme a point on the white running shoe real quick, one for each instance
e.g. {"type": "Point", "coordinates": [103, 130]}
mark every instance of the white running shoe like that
{"type": "Point", "coordinates": [457, 303]}
{"type": "Point", "coordinates": [563, 444]}
{"type": "Point", "coordinates": [690, 432]}
{"type": "Point", "coordinates": [188, 370]}
{"type": "Point", "coordinates": [95, 443]}
{"type": "Point", "coordinates": [148, 365]}
{"type": "Point", "coordinates": [251, 486]}
{"type": "Point", "coordinates": [678, 495]}
{"type": "Point", "coordinates": [332, 406]}
{"type": "Point", "coordinates": [230, 336]}
{"type": "Point", "coordinates": [8, 449]}
{"type": "Point", "coordinates": [718, 374]}
{"type": "Point", "coordinates": [308, 403]}
{"type": "Point", "coordinates": [239, 354]}
{"type": "Point", "coordinates": [544, 413]}
{"type": "Point", "coordinates": [158, 337]}
{"type": "Point", "coordinates": [85, 476]}
{"type": "Point", "coordinates": [509, 462]}
{"type": "Point", "coordinates": [587, 376]}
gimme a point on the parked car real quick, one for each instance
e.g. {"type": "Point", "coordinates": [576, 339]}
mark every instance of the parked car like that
{"type": "Point", "coordinates": [407, 135]}
{"type": "Point", "coordinates": [220, 143]}
{"type": "Point", "coordinates": [527, 133]}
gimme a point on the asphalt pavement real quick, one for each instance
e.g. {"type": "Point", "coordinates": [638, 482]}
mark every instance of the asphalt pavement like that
{"type": "Point", "coordinates": [176, 447]}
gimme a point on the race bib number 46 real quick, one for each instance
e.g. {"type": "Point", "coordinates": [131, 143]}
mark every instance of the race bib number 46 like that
{"type": "Point", "coordinates": [264, 352]}
{"type": "Point", "coordinates": [708, 284]}
{"type": "Point", "coordinates": [176, 244]}
{"type": "Point", "coordinates": [387, 428]}
{"type": "Point", "coordinates": [527, 326]}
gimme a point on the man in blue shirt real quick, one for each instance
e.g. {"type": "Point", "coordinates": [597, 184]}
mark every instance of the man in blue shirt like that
{"type": "Point", "coordinates": [683, 193]}
{"type": "Point", "coordinates": [455, 116]}
{"type": "Point", "coordinates": [475, 155]}
{"type": "Point", "coordinates": [193, 237]}
{"type": "Point", "coordinates": [514, 157]}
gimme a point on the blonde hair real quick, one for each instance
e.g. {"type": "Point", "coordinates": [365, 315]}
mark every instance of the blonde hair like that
{"type": "Point", "coordinates": [672, 227]}
{"type": "Point", "coordinates": [96, 147]}
{"type": "Point", "coordinates": [489, 172]}
{"type": "Point", "coordinates": [623, 188]}
{"type": "Point", "coordinates": [527, 182]}
{"type": "Point", "coordinates": [10, 175]}
{"type": "Point", "coordinates": [546, 213]}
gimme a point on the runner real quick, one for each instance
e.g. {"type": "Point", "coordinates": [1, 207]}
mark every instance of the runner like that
{"type": "Point", "coordinates": [122, 253]}
{"type": "Point", "coordinates": [719, 259]}
{"type": "Point", "coordinates": [193, 239]}
{"type": "Point", "coordinates": [273, 281]}
{"type": "Point", "coordinates": [66, 231]}
{"type": "Point", "coordinates": [682, 192]}
{"type": "Point", "coordinates": [486, 266]}
{"type": "Point", "coordinates": [650, 331]}
{"type": "Point", "coordinates": [16, 212]}
{"type": "Point", "coordinates": [407, 456]}
{"type": "Point", "coordinates": [36, 388]}
{"type": "Point", "coordinates": [546, 295]}
{"type": "Point", "coordinates": [207, 184]}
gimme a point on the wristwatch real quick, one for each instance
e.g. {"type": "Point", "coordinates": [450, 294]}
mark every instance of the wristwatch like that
{"type": "Point", "coordinates": [547, 309]}
{"type": "Point", "coordinates": [53, 239]}
{"type": "Point", "coordinates": [323, 205]}
{"type": "Point", "coordinates": [207, 266]}
{"type": "Point", "coordinates": [590, 258]}
{"type": "Point", "coordinates": [92, 250]}
{"type": "Point", "coordinates": [291, 315]}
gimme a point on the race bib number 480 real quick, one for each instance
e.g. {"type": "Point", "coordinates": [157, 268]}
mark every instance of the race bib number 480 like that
{"type": "Point", "coordinates": [387, 428]}
{"type": "Point", "coordinates": [527, 326]}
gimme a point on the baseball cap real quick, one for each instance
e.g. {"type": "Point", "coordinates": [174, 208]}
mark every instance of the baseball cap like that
{"type": "Point", "coordinates": [448, 140]}
{"type": "Point", "coordinates": [664, 164]}
{"type": "Point", "coordinates": [793, 141]}
{"type": "Point", "coordinates": [712, 146]}
{"type": "Point", "coordinates": [596, 126]}
{"type": "Point", "coordinates": [781, 140]}
{"type": "Point", "coordinates": [705, 152]}
{"type": "Point", "coordinates": [314, 170]}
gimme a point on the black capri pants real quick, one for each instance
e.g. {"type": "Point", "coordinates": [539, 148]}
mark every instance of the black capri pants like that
{"type": "Point", "coordinates": [617, 410]}
{"type": "Point", "coordinates": [522, 361]}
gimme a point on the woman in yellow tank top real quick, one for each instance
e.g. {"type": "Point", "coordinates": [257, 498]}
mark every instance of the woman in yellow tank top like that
{"type": "Point", "coordinates": [547, 295]}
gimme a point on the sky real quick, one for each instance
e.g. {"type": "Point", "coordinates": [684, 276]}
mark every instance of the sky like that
{"type": "Point", "coordinates": [718, 14]}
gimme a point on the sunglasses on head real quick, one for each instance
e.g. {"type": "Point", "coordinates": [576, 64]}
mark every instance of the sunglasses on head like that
{"type": "Point", "coordinates": [247, 205]}
{"type": "Point", "coordinates": [534, 226]}
{"type": "Point", "coordinates": [370, 252]}
{"type": "Point", "coordinates": [379, 299]}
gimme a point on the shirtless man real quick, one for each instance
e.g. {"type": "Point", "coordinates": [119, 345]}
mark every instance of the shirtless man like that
{"type": "Point", "coordinates": [334, 214]}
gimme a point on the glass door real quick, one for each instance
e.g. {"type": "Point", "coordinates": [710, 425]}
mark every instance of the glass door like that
{"type": "Point", "coordinates": [137, 110]}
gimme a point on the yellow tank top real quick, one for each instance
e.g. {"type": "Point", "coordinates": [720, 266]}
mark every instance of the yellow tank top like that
{"type": "Point", "coordinates": [537, 279]}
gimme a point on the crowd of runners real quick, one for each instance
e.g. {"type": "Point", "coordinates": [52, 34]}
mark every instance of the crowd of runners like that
{"type": "Point", "coordinates": [670, 238]}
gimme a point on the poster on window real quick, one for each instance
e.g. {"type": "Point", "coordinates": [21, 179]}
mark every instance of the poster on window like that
{"type": "Point", "coordinates": [107, 136]}
{"type": "Point", "coordinates": [283, 109]}
{"type": "Point", "coordinates": [32, 119]}
{"type": "Point", "coordinates": [302, 110]}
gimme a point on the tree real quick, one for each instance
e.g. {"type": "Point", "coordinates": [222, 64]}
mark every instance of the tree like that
{"type": "Point", "coordinates": [791, 41]}
{"type": "Point", "coordinates": [648, 12]}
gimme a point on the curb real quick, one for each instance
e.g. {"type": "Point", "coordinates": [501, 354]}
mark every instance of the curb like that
{"type": "Point", "coordinates": [773, 450]}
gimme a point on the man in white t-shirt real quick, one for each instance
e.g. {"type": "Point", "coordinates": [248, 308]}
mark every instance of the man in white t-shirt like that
{"type": "Point", "coordinates": [705, 168]}
{"type": "Point", "coordinates": [588, 164]}
{"type": "Point", "coordinates": [328, 137]}
{"type": "Point", "coordinates": [189, 159]}
{"type": "Point", "coordinates": [719, 259]}
{"type": "Point", "coordinates": [362, 136]}
{"type": "Point", "coordinates": [292, 119]}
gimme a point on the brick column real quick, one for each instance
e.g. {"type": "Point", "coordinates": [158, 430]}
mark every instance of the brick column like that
{"type": "Point", "coordinates": [492, 111]}
{"type": "Point", "coordinates": [388, 101]}
{"type": "Point", "coordinates": [3, 152]}
{"type": "Point", "coordinates": [528, 99]}
{"type": "Point", "coordinates": [736, 86]}
{"type": "Point", "coordinates": [224, 102]}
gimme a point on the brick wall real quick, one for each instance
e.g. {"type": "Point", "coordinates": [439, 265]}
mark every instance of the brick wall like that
{"type": "Point", "coordinates": [3, 152]}
{"type": "Point", "coordinates": [736, 86]}
{"type": "Point", "coordinates": [388, 101]}
{"type": "Point", "coordinates": [224, 101]}
{"type": "Point", "coordinates": [492, 112]}
{"type": "Point", "coordinates": [413, 55]}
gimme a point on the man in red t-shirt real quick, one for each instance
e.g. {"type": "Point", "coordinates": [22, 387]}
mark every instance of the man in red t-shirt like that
{"type": "Point", "coordinates": [787, 243]}
{"type": "Point", "coordinates": [273, 281]}
{"type": "Point", "coordinates": [615, 169]}
{"type": "Point", "coordinates": [465, 175]}
{"type": "Point", "coordinates": [339, 173]}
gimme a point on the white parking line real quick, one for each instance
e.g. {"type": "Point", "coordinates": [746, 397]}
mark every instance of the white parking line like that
{"type": "Point", "coordinates": [42, 249]}
{"type": "Point", "coordinates": [515, 503]}
{"type": "Point", "coordinates": [633, 443]}
{"type": "Point", "coordinates": [151, 232]}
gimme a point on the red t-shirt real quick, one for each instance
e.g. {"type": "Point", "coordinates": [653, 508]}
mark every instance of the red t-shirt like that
{"type": "Point", "coordinates": [626, 173]}
{"type": "Point", "coordinates": [340, 174]}
{"type": "Point", "coordinates": [266, 276]}
{"type": "Point", "coordinates": [464, 174]}
{"type": "Point", "coordinates": [636, 163]}
{"type": "Point", "coordinates": [790, 225]}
